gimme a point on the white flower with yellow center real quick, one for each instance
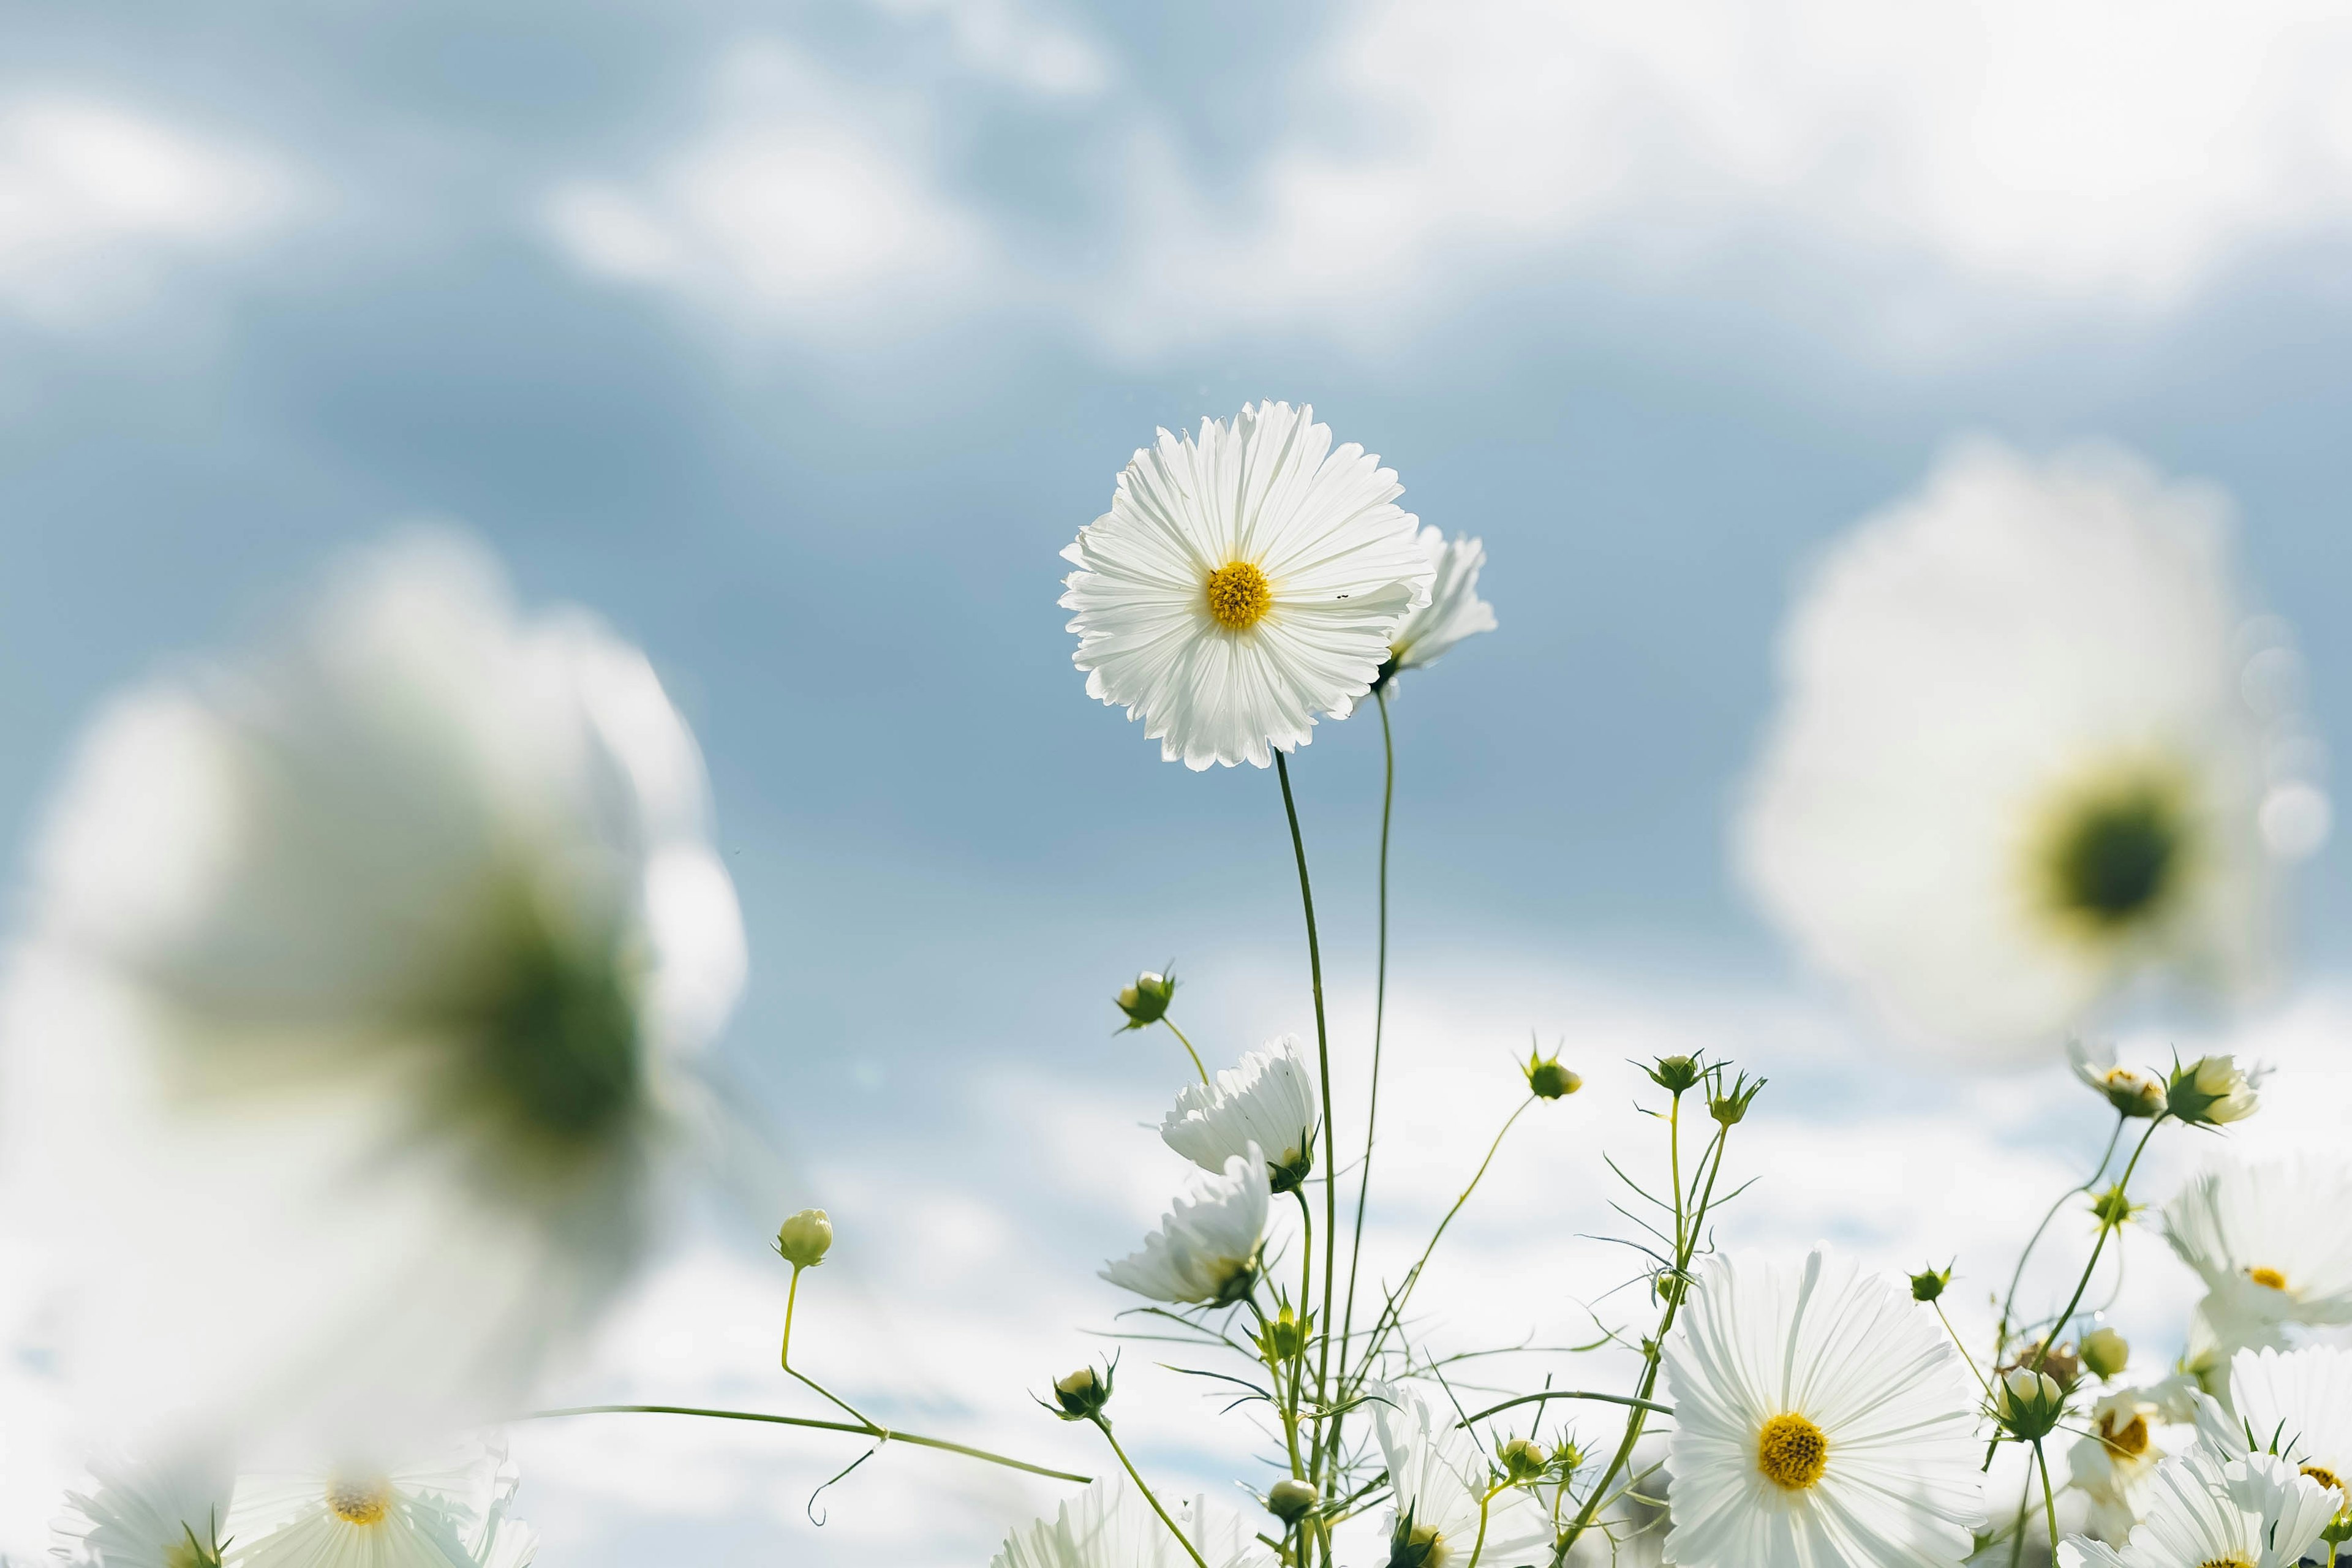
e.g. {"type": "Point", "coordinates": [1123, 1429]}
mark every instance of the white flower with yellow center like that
{"type": "Point", "coordinates": [2115, 1464]}
{"type": "Point", "coordinates": [448, 1511]}
{"type": "Point", "coordinates": [1206, 1250]}
{"type": "Point", "coordinates": [2131, 1091]}
{"type": "Point", "coordinates": [1242, 583]}
{"type": "Point", "coordinates": [1437, 1474]}
{"type": "Point", "coordinates": [1454, 610]}
{"type": "Point", "coordinates": [1109, 1525]}
{"type": "Point", "coordinates": [2296, 1405]}
{"type": "Point", "coordinates": [2204, 1512]}
{"type": "Point", "coordinates": [168, 1515]}
{"type": "Point", "coordinates": [1821, 1420]}
{"type": "Point", "coordinates": [365, 971]}
{"type": "Point", "coordinates": [2273, 1242]}
{"type": "Point", "coordinates": [2022, 756]}
{"type": "Point", "coordinates": [1268, 1103]}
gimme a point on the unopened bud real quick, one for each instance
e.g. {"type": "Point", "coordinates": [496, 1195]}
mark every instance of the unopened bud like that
{"type": "Point", "coordinates": [1145, 1003]}
{"type": "Point", "coordinates": [1547, 1079]}
{"type": "Point", "coordinates": [2029, 1403]}
{"type": "Point", "coordinates": [1290, 1501]}
{"type": "Point", "coordinates": [1728, 1105]}
{"type": "Point", "coordinates": [2210, 1092]}
{"type": "Point", "coordinates": [1082, 1394]}
{"type": "Point", "coordinates": [2105, 1352]}
{"type": "Point", "coordinates": [1928, 1284]}
{"type": "Point", "coordinates": [1674, 1074]}
{"type": "Point", "coordinates": [2113, 1209]}
{"type": "Point", "coordinates": [804, 1239]}
{"type": "Point", "coordinates": [1522, 1460]}
{"type": "Point", "coordinates": [1286, 1334]}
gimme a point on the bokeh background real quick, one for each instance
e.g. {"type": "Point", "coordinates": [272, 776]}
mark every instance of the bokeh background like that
{"type": "Point", "coordinates": [796, 338]}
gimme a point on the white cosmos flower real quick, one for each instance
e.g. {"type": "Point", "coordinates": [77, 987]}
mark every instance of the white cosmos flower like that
{"type": "Point", "coordinates": [1438, 1473]}
{"type": "Point", "coordinates": [2114, 1464]}
{"type": "Point", "coordinates": [2273, 1242]}
{"type": "Point", "coordinates": [1454, 610]}
{"type": "Point", "coordinates": [1821, 1420]}
{"type": "Point", "coordinates": [2254, 1512]}
{"type": "Point", "coordinates": [1109, 1525]}
{"type": "Point", "coordinates": [2017, 763]}
{"type": "Point", "coordinates": [447, 1511]}
{"type": "Point", "coordinates": [1206, 1250]}
{"type": "Point", "coordinates": [2132, 1091]}
{"type": "Point", "coordinates": [170, 1514]}
{"type": "Point", "coordinates": [1267, 1104]}
{"type": "Point", "coordinates": [363, 972]}
{"type": "Point", "coordinates": [2296, 1405]}
{"type": "Point", "coordinates": [1243, 582]}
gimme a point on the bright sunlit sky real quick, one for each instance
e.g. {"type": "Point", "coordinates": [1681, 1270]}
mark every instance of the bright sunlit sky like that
{"type": "Point", "coordinates": [796, 338]}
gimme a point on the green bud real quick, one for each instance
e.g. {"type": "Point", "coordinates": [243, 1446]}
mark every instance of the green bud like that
{"type": "Point", "coordinates": [1286, 1334]}
{"type": "Point", "coordinates": [2338, 1530]}
{"type": "Point", "coordinates": [2105, 1352]}
{"type": "Point", "coordinates": [1566, 1460]}
{"type": "Point", "coordinates": [1081, 1395]}
{"type": "Point", "coordinates": [1729, 1106]}
{"type": "Point", "coordinates": [2113, 1209]}
{"type": "Point", "coordinates": [1291, 1501]}
{"type": "Point", "coordinates": [1547, 1079]}
{"type": "Point", "coordinates": [2027, 1404]}
{"type": "Point", "coordinates": [1928, 1284]}
{"type": "Point", "coordinates": [804, 1239]}
{"type": "Point", "coordinates": [1675, 1075]}
{"type": "Point", "coordinates": [1522, 1460]}
{"type": "Point", "coordinates": [1145, 1003]}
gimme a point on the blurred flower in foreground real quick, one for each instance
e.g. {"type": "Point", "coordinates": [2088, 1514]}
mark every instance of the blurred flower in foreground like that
{"type": "Point", "coordinates": [1820, 1417]}
{"type": "Point", "coordinates": [169, 1515]}
{"type": "Point", "coordinates": [1243, 582]}
{"type": "Point", "coordinates": [448, 1512]}
{"type": "Point", "coordinates": [2273, 1243]}
{"type": "Point", "coordinates": [2298, 1403]}
{"type": "Point", "coordinates": [360, 974]}
{"type": "Point", "coordinates": [2028, 750]}
{"type": "Point", "coordinates": [1206, 1250]}
{"type": "Point", "coordinates": [1268, 1102]}
{"type": "Point", "coordinates": [1438, 1476]}
{"type": "Point", "coordinates": [1454, 610]}
{"type": "Point", "coordinates": [2254, 1512]}
{"type": "Point", "coordinates": [1109, 1525]}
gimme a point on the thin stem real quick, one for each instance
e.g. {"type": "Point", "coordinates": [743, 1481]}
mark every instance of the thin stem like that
{"type": "Point", "coordinates": [868, 1430]}
{"type": "Point", "coordinates": [1188, 1047]}
{"type": "Point", "coordinates": [1305, 1282]}
{"type": "Point", "coordinates": [1103, 1426]}
{"type": "Point", "coordinates": [2009, 1301]}
{"type": "Point", "coordinates": [2017, 1531]}
{"type": "Point", "coordinates": [2050, 1340]}
{"type": "Point", "coordinates": [784, 1356]}
{"type": "Point", "coordinates": [1966, 1360]}
{"type": "Point", "coordinates": [1549, 1394]}
{"type": "Point", "coordinates": [2049, 1498]}
{"type": "Point", "coordinates": [1379, 1021]}
{"type": "Point", "coordinates": [1479, 1545]}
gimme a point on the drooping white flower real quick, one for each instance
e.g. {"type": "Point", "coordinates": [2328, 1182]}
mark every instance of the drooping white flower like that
{"type": "Point", "coordinates": [1268, 1103]}
{"type": "Point", "coordinates": [363, 972]}
{"type": "Point", "coordinates": [2273, 1242]}
{"type": "Point", "coordinates": [2017, 765]}
{"type": "Point", "coordinates": [447, 1511]}
{"type": "Point", "coordinates": [1436, 1475]}
{"type": "Point", "coordinates": [2115, 1464]}
{"type": "Point", "coordinates": [1109, 1525]}
{"type": "Point", "coordinates": [1454, 610]}
{"type": "Point", "coordinates": [1243, 582]}
{"type": "Point", "coordinates": [1206, 1250]}
{"type": "Point", "coordinates": [2296, 1405]}
{"type": "Point", "coordinates": [168, 1514]}
{"type": "Point", "coordinates": [1821, 1420]}
{"type": "Point", "coordinates": [2203, 1512]}
{"type": "Point", "coordinates": [2131, 1091]}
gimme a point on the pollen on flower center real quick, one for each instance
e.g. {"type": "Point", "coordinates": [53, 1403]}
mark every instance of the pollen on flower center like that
{"type": "Point", "coordinates": [359, 1502]}
{"type": "Point", "coordinates": [1791, 1452]}
{"type": "Point", "coordinates": [2128, 1439]}
{"type": "Point", "coordinates": [1239, 595]}
{"type": "Point", "coordinates": [2324, 1476]}
{"type": "Point", "coordinates": [2269, 1277]}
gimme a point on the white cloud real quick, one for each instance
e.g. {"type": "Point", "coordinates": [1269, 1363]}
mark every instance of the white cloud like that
{"type": "Point", "coordinates": [794, 205]}
{"type": "Point", "coordinates": [1005, 39]}
{"type": "Point", "coordinates": [96, 200]}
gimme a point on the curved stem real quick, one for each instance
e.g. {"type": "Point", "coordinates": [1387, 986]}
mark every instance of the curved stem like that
{"type": "Point", "coordinates": [1393, 1313]}
{"type": "Point", "coordinates": [1624, 1399]}
{"type": "Point", "coordinates": [1479, 1545]}
{"type": "Point", "coordinates": [1966, 1360]}
{"type": "Point", "coordinates": [2050, 1340]}
{"type": "Point", "coordinates": [1141, 1485]}
{"type": "Point", "coordinates": [1380, 1022]}
{"type": "Point", "coordinates": [2009, 1301]}
{"type": "Point", "coordinates": [864, 1431]}
{"type": "Point", "coordinates": [1188, 1047]}
{"type": "Point", "coordinates": [784, 1357]}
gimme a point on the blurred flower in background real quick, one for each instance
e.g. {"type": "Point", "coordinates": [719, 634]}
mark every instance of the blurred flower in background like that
{"type": "Point", "coordinates": [348, 1027]}
{"type": "Point", "coordinates": [2031, 750]}
{"type": "Point", "coordinates": [1453, 613]}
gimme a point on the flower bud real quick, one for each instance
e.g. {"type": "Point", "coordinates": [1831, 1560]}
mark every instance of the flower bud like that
{"type": "Point", "coordinates": [1928, 1284]}
{"type": "Point", "coordinates": [1522, 1460]}
{"type": "Point", "coordinates": [804, 1239]}
{"type": "Point", "coordinates": [1286, 1334]}
{"type": "Point", "coordinates": [1083, 1394]}
{"type": "Point", "coordinates": [1729, 1106]}
{"type": "Point", "coordinates": [2029, 1403]}
{"type": "Point", "coordinates": [2113, 1209]}
{"type": "Point", "coordinates": [1145, 1003]}
{"type": "Point", "coordinates": [1289, 1501]}
{"type": "Point", "coordinates": [2105, 1352]}
{"type": "Point", "coordinates": [2210, 1092]}
{"type": "Point", "coordinates": [1547, 1079]}
{"type": "Point", "coordinates": [1566, 1460]}
{"type": "Point", "coordinates": [1674, 1074]}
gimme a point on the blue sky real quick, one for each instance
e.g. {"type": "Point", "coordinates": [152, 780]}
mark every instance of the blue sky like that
{"type": "Point", "coordinates": [797, 340]}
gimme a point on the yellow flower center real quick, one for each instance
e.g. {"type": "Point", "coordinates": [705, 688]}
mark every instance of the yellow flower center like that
{"type": "Point", "coordinates": [359, 1502]}
{"type": "Point", "coordinates": [1791, 1452]}
{"type": "Point", "coordinates": [2324, 1476]}
{"type": "Point", "coordinates": [2128, 1440]}
{"type": "Point", "coordinates": [1239, 595]}
{"type": "Point", "coordinates": [2270, 1276]}
{"type": "Point", "coordinates": [2225, 1563]}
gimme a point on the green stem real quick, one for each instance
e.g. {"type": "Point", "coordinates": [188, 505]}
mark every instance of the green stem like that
{"type": "Point", "coordinates": [1306, 1283]}
{"type": "Point", "coordinates": [1103, 1426]}
{"type": "Point", "coordinates": [2049, 1500]}
{"type": "Point", "coordinates": [791, 1297]}
{"type": "Point", "coordinates": [1479, 1545]}
{"type": "Point", "coordinates": [2050, 1340]}
{"type": "Point", "coordinates": [1379, 1021]}
{"type": "Point", "coordinates": [2009, 1302]}
{"type": "Point", "coordinates": [1549, 1393]}
{"type": "Point", "coordinates": [866, 1430]}
{"type": "Point", "coordinates": [1187, 1047]}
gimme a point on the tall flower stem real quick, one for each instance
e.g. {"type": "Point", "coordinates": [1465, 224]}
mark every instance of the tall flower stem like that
{"type": "Point", "coordinates": [1187, 1047]}
{"type": "Point", "coordinates": [2049, 1498]}
{"type": "Point", "coordinates": [1380, 1020]}
{"type": "Point", "coordinates": [867, 1429]}
{"type": "Point", "coordinates": [1331, 1138]}
{"type": "Point", "coordinates": [785, 1358]}
{"type": "Point", "coordinates": [2009, 1301]}
{"type": "Point", "coordinates": [2107, 1228]}
{"type": "Point", "coordinates": [1103, 1426]}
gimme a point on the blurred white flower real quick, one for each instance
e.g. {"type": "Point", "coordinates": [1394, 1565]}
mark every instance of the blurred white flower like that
{"type": "Point", "coordinates": [2254, 1512]}
{"type": "Point", "coordinates": [1820, 1418]}
{"type": "Point", "coordinates": [2296, 1405]}
{"type": "Point", "coordinates": [1267, 1104]}
{"type": "Point", "coordinates": [363, 973]}
{"type": "Point", "coordinates": [166, 1514]}
{"type": "Point", "coordinates": [2273, 1242]}
{"type": "Point", "coordinates": [1243, 582]}
{"type": "Point", "coordinates": [2128, 1090]}
{"type": "Point", "coordinates": [1109, 1525]}
{"type": "Point", "coordinates": [2114, 1464]}
{"type": "Point", "coordinates": [447, 1511]}
{"type": "Point", "coordinates": [1207, 1248]}
{"type": "Point", "coordinates": [2016, 764]}
{"type": "Point", "coordinates": [1438, 1473]}
{"type": "Point", "coordinates": [1454, 610]}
